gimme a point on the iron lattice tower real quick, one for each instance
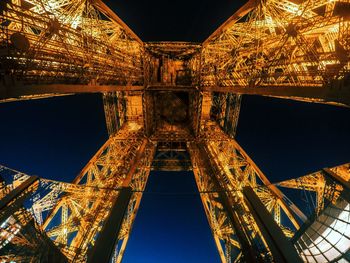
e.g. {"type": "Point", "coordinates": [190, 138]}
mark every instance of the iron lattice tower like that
{"type": "Point", "coordinates": [174, 106]}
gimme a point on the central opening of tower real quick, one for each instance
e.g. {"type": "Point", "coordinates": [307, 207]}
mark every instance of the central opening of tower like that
{"type": "Point", "coordinates": [170, 220]}
{"type": "Point", "coordinates": [171, 110]}
{"type": "Point", "coordinates": [171, 100]}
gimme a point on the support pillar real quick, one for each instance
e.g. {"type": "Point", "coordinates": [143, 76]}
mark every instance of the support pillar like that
{"type": "Point", "coordinates": [106, 240]}
{"type": "Point", "coordinates": [249, 254]}
{"type": "Point", "coordinates": [247, 250]}
{"type": "Point", "coordinates": [281, 248]}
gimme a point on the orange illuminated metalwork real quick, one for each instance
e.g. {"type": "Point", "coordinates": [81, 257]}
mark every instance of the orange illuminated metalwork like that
{"type": "Point", "coordinates": [173, 106]}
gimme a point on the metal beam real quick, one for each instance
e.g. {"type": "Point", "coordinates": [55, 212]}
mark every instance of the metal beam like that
{"type": "Point", "coordinates": [162, 87]}
{"type": "Point", "coordinates": [326, 94]}
{"type": "Point", "coordinates": [232, 20]}
{"type": "Point", "coordinates": [289, 208]}
{"type": "Point", "coordinates": [229, 206]}
{"type": "Point", "coordinates": [282, 249]}
{"type": "Point", "coordinates": [15, 91]}
{"type": "Point", "coordinates": [107, 11]}
{"type": "Point", "coordinates": [106, 241]}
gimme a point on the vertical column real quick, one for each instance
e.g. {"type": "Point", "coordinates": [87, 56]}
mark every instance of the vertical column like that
{"type": "Point", "coordinates": [229, 234]}
{"type": "Point", "coordinates": [105, 243]}
{"type": "Point", "coordinates": [110, 105]}
{"type": "Point", "coordinates": [124, 161]}
{"type": "Point", "coordinates": [233, 108]}
{"type": "Point", "coordinates": [230, 171]}
{"type": "Point", "coordinates": [282, 250]}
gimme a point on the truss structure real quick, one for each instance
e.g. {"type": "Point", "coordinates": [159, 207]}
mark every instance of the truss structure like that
{"type": "Point", "coordinates": [175, 106]}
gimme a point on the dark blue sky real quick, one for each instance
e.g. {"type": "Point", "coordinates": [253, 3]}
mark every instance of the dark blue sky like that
{"type": "Point", "coordinates": [54, 138]}
{"type": "Point", "coordinates": [289, 139]}
{"type": "Point", "coordinates": [171, 225]}
{"type": "Point", "coordinates": [169, 20]}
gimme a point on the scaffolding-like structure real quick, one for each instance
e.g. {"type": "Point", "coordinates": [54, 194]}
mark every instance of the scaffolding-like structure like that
{"type": "Point", "coordinates": [175, 106]}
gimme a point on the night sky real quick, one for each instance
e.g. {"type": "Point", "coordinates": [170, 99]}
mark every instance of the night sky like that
{"type": "Point", "coordinates": [169, 20]}
{"type": "Point", "coordinates": [54, 138]}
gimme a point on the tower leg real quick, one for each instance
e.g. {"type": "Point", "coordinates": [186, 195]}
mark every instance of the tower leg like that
{"type": "Point", "coordinates": [105, 243]}
{"type": "Point", "coordinates": [222, 170]}
{"type": "Point", "coordinates": [229, 236]}
{"type": "Point", "coordinates": [123, 162]}
{"type": "Point", "coordinates": [281, 248]}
